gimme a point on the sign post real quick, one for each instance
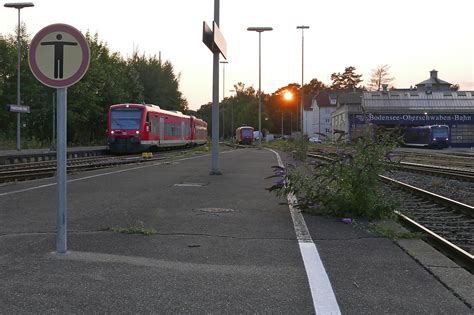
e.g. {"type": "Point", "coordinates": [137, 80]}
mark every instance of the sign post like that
{"type": "Point", "coordinates": [215, 41]}
{"type": "Point", "coordinates": [59, 57]}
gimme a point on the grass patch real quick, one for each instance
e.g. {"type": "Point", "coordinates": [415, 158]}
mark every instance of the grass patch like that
{"type": "Point", "coordinates": [388, 229]}
{"type": "Point", "coordinates": [138, 228]}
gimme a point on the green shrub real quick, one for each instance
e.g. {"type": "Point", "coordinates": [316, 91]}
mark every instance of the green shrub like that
{"type": "Point", "coordinates": [347, 185]}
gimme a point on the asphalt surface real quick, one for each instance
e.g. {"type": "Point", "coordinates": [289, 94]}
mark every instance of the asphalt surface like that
{"type": "Point", "coordinates": [223, 244]}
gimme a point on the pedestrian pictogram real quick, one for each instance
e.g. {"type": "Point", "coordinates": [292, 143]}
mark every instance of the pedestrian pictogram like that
{"type": "Point", "coordinates": [59, 55]}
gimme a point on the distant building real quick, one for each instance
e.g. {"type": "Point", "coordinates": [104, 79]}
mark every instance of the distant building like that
{"type": "Point", "coordinates": [432, 102]}
{"type": "Point", "coordinates": [318, 117]}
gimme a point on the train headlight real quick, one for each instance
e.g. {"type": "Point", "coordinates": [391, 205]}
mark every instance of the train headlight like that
{"type": "Point", "coordinates": [112, 132]}
{"type": "Point", "coordinates": [434, 139]}
{"type": "Point", "coordinates": [137, 132]}
{"type": "Point", "coordinates": [447, 139]}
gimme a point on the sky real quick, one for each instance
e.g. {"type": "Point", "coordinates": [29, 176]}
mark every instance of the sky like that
{"type": "Point", "coordinates": [413, 37]}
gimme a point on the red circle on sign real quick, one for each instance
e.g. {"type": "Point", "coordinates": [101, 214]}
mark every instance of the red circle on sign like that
{"type": "Point", "coordinates": [84, 65]}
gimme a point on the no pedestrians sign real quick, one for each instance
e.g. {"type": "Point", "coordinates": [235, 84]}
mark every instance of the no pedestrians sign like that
{"type": "Point", "coordinates": [59, 55]}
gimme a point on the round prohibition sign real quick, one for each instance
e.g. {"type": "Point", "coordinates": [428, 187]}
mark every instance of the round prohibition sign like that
{"type": "Point", "coordinates": [59, 55]}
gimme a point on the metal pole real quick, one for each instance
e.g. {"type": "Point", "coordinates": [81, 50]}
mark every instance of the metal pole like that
{"type": "Point", "coordinates": [61, 172]}
{"type": "Point", "coordinates": [282, 124]}
{"type": "Point", "coordinates": [259, 90]}
{"type": "Point", "coordinates": [223, 97]}
{"type": "Point", "coordinates": [232, 119]}
{"type": "Point", "coordinates": [302, 78]}
{"type": "Point", "coordinates": [18, 98]}
{"type": "Point", "coordinates": [215, 103]}
{"type": "Point", "coordinates": [53, 144]}
{"type": "Point", "coordinates": [302, 27]}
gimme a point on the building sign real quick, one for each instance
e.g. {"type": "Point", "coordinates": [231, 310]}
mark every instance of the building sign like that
{"type": "Point", "coordinates": [413, 119]}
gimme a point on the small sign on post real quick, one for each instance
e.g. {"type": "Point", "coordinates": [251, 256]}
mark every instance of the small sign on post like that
{"type": "Point", "coordinates": [59, 57]}
{"type": "Point", "coordinates": [18, 108]}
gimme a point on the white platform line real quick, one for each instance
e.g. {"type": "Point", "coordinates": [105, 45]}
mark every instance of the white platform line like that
{"type": "Point", "coordinates": [324, 300]}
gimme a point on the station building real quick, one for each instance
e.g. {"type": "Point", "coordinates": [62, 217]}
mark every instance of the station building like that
{"type": "Point", "coordinates": [431, 102]}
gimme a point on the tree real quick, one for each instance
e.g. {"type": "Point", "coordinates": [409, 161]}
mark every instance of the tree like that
{"type": "Point", "coordinates": [348, 80]}
{"type": "Point", "coordinates": [313, 87]}
{"type": "Point", "coordinates": [160, 84]}
{"type": "Point", "coordinates": [378, 77]}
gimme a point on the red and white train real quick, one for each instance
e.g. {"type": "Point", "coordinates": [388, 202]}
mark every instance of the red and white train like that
{"type": "Point", "coordinates": [244, 135]}
{"type": "Point", "coordinates": [139, 127]}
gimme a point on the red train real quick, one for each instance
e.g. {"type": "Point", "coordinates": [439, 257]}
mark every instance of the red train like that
{"type": "Point", "coordinates": [244, 135]}
{"type": "Point", "coordinates": [138, 127]}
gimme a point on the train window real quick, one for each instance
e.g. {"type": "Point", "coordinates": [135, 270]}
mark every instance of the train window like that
{"type": "Point", "coordinates": [448, 94]}
{"type": "Point", "coordinates": [461, 93]}
{"type": "Point", "coordinates": [125, 118]}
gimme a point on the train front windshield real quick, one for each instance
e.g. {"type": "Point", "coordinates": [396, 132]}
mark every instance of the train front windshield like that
{"type": "Point", "coordinates": [247, 133]}
{"type": "Point", "coordinates": [440, 132]}
{"type": "Point", "coordinates": [125, 118]}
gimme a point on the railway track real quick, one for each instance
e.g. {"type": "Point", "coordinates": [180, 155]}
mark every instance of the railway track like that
{"type": "Point", "coordinates": [436, 158]}
{"type": "Point", "coordinates": [458, 173]}
{"type": "Point", "coordinates": [446, 223]}
{"type": "Point", "coordinates": [34, 170]}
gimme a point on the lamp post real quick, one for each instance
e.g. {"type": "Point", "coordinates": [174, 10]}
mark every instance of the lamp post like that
{"type": "Point", "coordinates": [223, 96]}
{"type": "Point", "coordinates": [18, 6]}
{"type": "Point", "coordinates": [232, 117]}
{"type": "Point", "coordinates": [259, 30]}
{"type": "Point", "coordinates": [302, 27]}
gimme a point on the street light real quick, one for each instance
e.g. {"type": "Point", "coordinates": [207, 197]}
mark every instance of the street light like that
{"type": "Point", "coordinates": [223, 97]}
{"type": "Point", "coordinates": [259, 30]}
{"type": "Point", "coordinates": [232, 116]}
{"type": "Point", "coordinates": [287, 96]}
{"type": "Point", "coordinates": [302, 27]}
{"type": "Point", "coordinates": [18, 6]}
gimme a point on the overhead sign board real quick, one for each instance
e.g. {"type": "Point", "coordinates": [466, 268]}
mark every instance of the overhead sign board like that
{"type": "Point", "coordinates": [207, 37]}
{"type": "Point", "coordinates": [18, 108]}
{"type": "Point", "coordinates": [59, 55]}
{"type": "Point", "coordinates": [213, 39]}
{"type": "Point", "coordinates": [219, 40]}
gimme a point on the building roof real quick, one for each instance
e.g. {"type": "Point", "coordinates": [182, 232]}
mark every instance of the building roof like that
{"type": "Point", "coordinates": [349, 98]}
{"type": "Point", "coordinates": [328, 98]}
{"type": "Point", "coordinates": [414, 101]}
{"type": "Point", "coordinates": [434, 80]}
{"type": "Point", "coordinates": [322, 99]}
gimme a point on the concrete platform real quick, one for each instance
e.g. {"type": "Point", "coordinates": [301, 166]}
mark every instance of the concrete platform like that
{"type": "Point", "coordinates": [223, 244]}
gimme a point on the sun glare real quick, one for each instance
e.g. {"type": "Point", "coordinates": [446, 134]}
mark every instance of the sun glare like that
{"type": "Point", "coordinates": [288, 96]}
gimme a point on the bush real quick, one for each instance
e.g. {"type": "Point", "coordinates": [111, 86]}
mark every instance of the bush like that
{"type": "Point", "coordinates": [347, 185]}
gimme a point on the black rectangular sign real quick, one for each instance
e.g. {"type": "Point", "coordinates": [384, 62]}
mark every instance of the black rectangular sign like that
{"type": "Point", "coordinates": [18, 108]}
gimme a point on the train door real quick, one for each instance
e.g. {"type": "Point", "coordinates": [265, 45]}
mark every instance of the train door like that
{"type": "Point", "coordinates": [162, 129]}
{"type": "Point", "coordinates": [182, 130]}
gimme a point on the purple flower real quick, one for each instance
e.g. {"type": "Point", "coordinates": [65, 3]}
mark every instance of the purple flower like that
{"type": "Point", "coordinates": [389, 156]}
{"type": "Point", "coordinates": [346, 220]}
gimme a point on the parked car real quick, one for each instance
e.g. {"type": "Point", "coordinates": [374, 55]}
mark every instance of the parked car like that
{"type": "Point", "coordinates": [315, 140]}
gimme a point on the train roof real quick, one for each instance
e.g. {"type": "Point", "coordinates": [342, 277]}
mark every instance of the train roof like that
{"type": "Point", "coordinates": [154, 108]}
{"type": "Point", "coordinates": [427, 126]}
